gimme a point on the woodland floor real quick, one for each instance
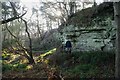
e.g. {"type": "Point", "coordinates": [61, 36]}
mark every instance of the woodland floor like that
{"type": "Point", "coordinates": [78, 64]}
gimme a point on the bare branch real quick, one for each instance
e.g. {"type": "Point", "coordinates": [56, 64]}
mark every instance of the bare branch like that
{"type": "Point", "coordinates": [15, 38]}
{"type": "Point", "coordinates": [11, 19]}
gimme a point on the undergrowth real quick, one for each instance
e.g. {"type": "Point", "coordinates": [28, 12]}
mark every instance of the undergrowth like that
{"type": "Point", "coordinates": [86, 64]}
{"type": "Point", "coordinates": [78, 64]}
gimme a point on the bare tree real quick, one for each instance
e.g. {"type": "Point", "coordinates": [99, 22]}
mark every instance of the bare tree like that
{"type": "Point", "coordinates": [16, 16]}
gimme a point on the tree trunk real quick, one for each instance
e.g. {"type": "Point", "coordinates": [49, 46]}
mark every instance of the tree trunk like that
{"type": "Point", "coordinates": [94, 3]}
{"type": "Point", "coordinates": [0, 51]}
{"type": "Point", "coordinates": [31, 60]}
{"type": "Point", "coordinates": [117, 20]}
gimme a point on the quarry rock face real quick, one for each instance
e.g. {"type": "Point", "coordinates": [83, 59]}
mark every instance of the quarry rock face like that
{"type": "Point", "coordinates": [92, 38]}
{"type": "Point", "coordinates": [91, 29]}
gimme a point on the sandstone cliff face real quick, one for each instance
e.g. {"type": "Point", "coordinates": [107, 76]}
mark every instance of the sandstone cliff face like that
{"type": "Point", "coordinates": [91, 29]}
